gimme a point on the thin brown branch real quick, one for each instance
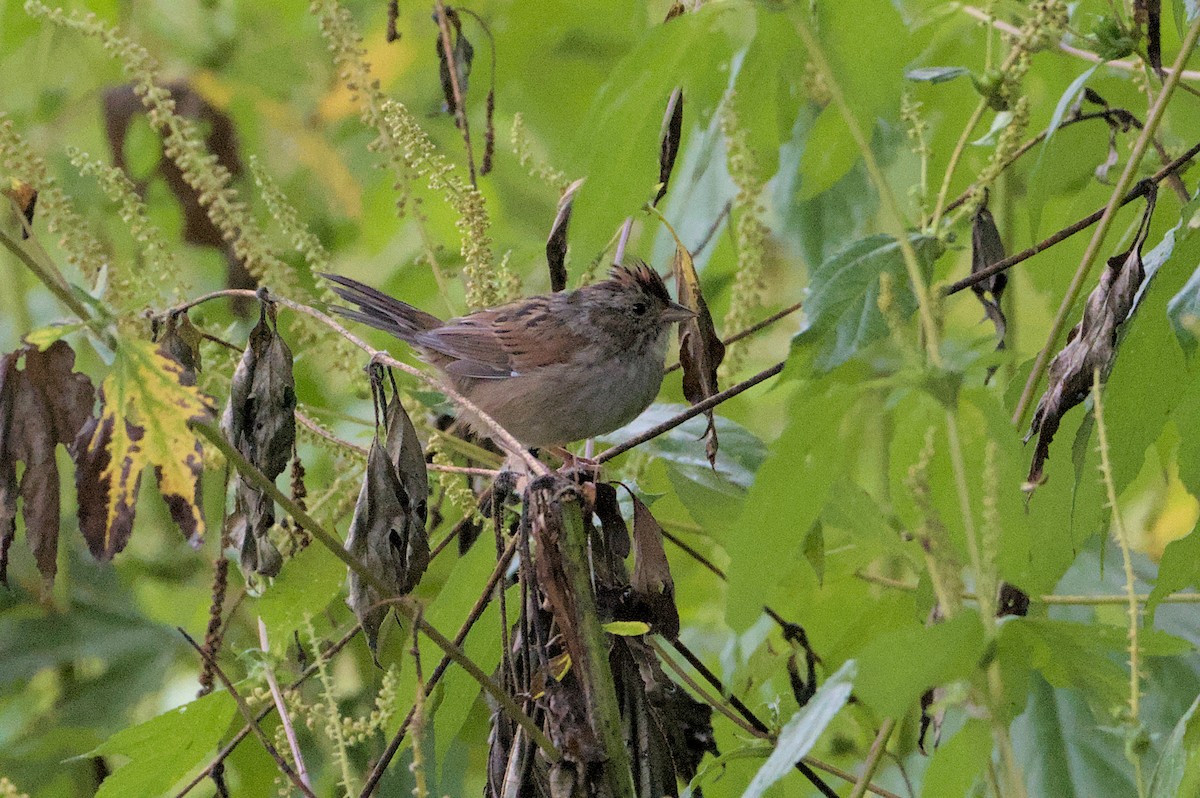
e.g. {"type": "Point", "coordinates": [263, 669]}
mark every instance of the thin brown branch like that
{"type": "Point", "coordinates": [476, 611]}
{"type": "Point", "coordinates": [460, 110]}
{"type": "Point", "coordinates": [695, 555]}
{"type": "Point", "coordinates": [751, 330]}
{"type": "Point", "coordinates": [713, 702]}
{"type": "Point", "coordinates": [1137, 192]}
{"type": "Point", "coordinates": [690, 413]}
{"type": "Point", "coordinates": [326, 655]}
{"type": "Point", "coordinates": [285, 718]}
{"type": "Point", "coordinates": [501, 435]}
{"type": "Point", "coordinates": [805, 766]}
{"type": "Point", "coordinates": [248, 714]}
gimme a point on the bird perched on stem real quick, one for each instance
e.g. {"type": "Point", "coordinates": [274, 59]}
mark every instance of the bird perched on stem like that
{"type": "Point", "coordinates": [550, 369]}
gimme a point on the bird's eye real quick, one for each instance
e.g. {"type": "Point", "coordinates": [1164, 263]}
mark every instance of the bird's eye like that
{"type": "Point", "coordinates": [639, 309]}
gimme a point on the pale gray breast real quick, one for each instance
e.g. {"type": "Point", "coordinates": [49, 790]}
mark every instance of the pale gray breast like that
{"type": "Point", "coordinates": [569, 402]}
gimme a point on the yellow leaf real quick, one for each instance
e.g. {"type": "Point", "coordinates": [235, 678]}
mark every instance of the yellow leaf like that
{"type": "Point", "coordinates": [148, 410]}
{"type": "Point", "coordinates": [627, 628]}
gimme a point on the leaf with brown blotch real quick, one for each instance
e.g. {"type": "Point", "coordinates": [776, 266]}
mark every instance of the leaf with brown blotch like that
{"type": "Point", "coordinates": [24, 198]}
{"type": "Point", "coordinates": [260, 421]}
{"type": "Point", "coordinates": [41, 406]}
{"type": "Point", "coordinates": [463, 53]}
{"type": "Point", "coordinates": [144, 421]}
{"type": "Point", "coordinates": [93, 487]}
{"type": "Point", "coordinates": [672, 131]}
{"type": "Point", "coordinates": [556, 242]}
{"type": "Point", "coordinates": [987, 248]}
{"type": "Point", "coordinates": [651, 581]}
{"type": "Point", "coordinates": [700, 348]}
{"type": "Point", "coordinates": [122, 105]}
{"type": "Point", "coordinates": [387, 533]}
{"type": "Point", "coordinates": [1149, 13]}
{"type": "Point", "coordinates": [1091, 344]}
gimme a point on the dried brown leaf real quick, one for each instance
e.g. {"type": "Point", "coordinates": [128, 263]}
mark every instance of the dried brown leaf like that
{"type": "Point", "coordinates": [260, 421]}
{"type": "Point", "coordinates": [93, 486]}
{"type": "Point", "coordinates": [1091, 344]}
{"type": "Point", "coordinates": [24, 198]}
{"type": "Point", "coordinates": [387, 533]}
{"type": "Point", "coordinates": [556, 242]}
{"type": "Point", "coordinates": [988, 248]}
{"type": "Point", "coordinates": [652, 582]}
{"type": "Point", "coordinates": [700, 348]}
{"type": "Point", "coordinates": [41, 406]}
{"type": "Point", "coordinates": [672, 131]}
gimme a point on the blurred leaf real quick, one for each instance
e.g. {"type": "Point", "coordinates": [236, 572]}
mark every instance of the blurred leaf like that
{"type": "Point", "coordinates": [787, 496]}
{"type": "Point", "coordinates": [163, 750]}
{"type": "Point", "coordinates": [896, 668]}
{"type": "Point", "coordinates": [936, 74]}
{"type": "Point", "coordinates": [306, 585]}
{"type": "Point", "coordinates": [1178, 770]}
{"type": "Point", "coordinates": [803, 729]}
{"type": "Point", "coordinates": [959, 762]}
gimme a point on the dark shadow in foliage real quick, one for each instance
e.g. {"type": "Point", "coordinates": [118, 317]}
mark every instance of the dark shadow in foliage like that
{"type": "Point", "coordinates": [260, 421]}
{"type": "Point", "coordinates": [387, 533]}
{"type": "Point", "coordinates": [41, 406]}
{"type": "Point", "coordinates": [1091, 344]}
{"type": "Point", "coordinates": [122, 106]}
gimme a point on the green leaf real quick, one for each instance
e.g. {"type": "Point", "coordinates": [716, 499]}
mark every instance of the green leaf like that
{"type": "Point", "coordinates": [1062, 750]}
{"type": "Point", "coordinates": [618, 143]}
{"type": "Point", "coordinates": [829, 153]}
{"type": "Point", "coordinates": [305, 586]}
{"type": "Point", "coordinates": [713, 494]}
{"type": "Point", "coordinates": [896, 668]}
{"type": "Point", "coordinates": [786, 499]}
{"type": "Point", "coordinates": [1070, 654]}
{"type": "Point", "coordinates": [957, 764]}
{"type": "Point", "coordinates": [164, 749]}
{"type": "Point", "coordinates": [802, 731]}
{"type": "Point", "coordinates": [842, 310]}
{"type": "Point", "coordinates": [1178, 770]}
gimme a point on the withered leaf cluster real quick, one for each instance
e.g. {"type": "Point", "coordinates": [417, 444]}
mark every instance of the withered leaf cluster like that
{"type": "Point", "coordinates": [387, 533]}
{"type": "Point", "coordinates": [556, 242]}
{"type": "Point", "coordinates": [1091, 344]}
{"type": "Point", "coordinates": [260, 421]}
{"type": "Point", "coordinates": [457, 63]}
{"type": "Point", "coordinates": [41, 405]}
{"type": "Point", "coordinates": [463, 53]}
{"type": "Point", "coordinates": [665, 731]}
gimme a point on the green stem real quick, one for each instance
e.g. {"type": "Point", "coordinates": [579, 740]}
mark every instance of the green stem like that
{"type": "Point", "coordinates": [873, 758]}
{"type": "Point", "coordinates": [955, 157]}
{"type": "Point", "coordinates": [594, 671]}
{"type": "Point", "coordinates": [1134, 609]}
{"type": "Point", "coordinates": [1106, 219]}
{"type": "Point", "coordinates": [50, 278]}
{"type": "Point", "coordinates": [258, 479]}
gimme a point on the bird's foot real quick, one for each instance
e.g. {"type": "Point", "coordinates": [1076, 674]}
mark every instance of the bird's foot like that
{"type": "Point", "coordinates": [576, 468]}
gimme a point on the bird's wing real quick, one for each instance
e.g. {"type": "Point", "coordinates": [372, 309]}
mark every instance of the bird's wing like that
{"type": "Point", "coordinates": [506, 341]}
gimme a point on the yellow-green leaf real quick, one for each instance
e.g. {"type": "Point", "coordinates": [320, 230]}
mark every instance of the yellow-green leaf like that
{"type": "Point", "coordinates": [149, 411]}
{"type": "Point", "coordinates": [627, 628]}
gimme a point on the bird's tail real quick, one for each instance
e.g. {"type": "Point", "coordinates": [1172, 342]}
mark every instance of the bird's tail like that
{"type": "Point", "coordinates": [381, 311]}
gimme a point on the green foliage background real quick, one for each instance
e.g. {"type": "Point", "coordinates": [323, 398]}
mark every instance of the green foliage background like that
{"type": "Point", "coordinates": [824, 475]}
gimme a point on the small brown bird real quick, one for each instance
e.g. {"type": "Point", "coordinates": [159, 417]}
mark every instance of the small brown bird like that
{"type": "Point", "coordinates": [550, 369]}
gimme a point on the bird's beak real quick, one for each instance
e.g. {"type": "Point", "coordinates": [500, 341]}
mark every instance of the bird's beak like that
{"type": "Point", "coordinates": [676, 312]}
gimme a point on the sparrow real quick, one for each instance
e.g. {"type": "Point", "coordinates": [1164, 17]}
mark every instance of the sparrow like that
{"type": "Point", "coordinates": [549, 369]}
